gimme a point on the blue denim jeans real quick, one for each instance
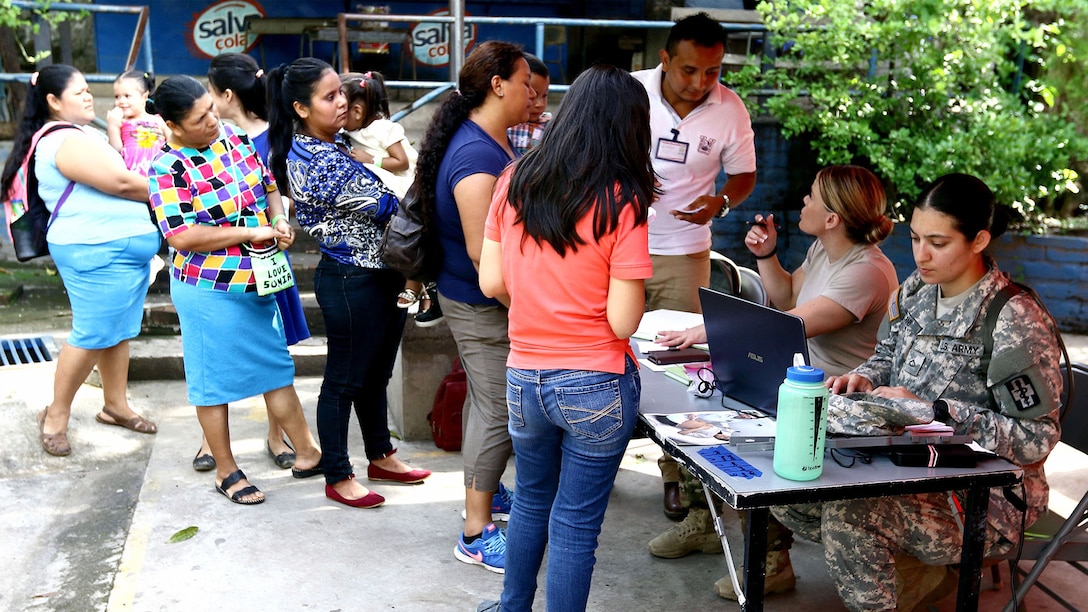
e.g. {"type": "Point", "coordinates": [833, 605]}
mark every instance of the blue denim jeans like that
{"type": "Point", "coordinates": [570, 429]}
{"type": "Point", "coordinates": [364, 327]}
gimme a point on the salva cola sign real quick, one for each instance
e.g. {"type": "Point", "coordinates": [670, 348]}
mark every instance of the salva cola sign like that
{"type": "Point", "coordinates": [431, 40]}
{"type": "Point", "coordinates": [221, 28]}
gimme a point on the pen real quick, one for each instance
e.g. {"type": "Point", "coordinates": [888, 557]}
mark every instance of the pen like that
{"type": "Point", "coordinates": [777, 227]}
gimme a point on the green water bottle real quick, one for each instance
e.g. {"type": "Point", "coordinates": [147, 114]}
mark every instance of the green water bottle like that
{"type": "Point", "coordinates": [801, 424]}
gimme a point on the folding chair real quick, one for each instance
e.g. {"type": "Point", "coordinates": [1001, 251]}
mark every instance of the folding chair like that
{"type": "Point", "coordinates": [751, 287]}
{"type": "Point", "coordinates": [724, 274]}
{"type": "Point", "coordinates": [731, 279]}
{"type": "Point", "coordinates": [1052, 538]}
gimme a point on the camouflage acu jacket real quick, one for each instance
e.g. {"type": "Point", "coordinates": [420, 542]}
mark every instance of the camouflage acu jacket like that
{"type": "Point", "coordinates": [1010, 409]}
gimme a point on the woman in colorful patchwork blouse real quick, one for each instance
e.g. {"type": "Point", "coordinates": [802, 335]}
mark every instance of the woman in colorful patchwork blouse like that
{"type": "Point", "coordinates": [345, 207]}
{"type": "Point", "coordinates": [219, 209]}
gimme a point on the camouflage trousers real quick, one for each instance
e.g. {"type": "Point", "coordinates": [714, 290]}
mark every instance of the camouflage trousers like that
{"type": "Point", "coordinates": [779, 537]}
{"type": "Point", "coordinates": [862, 537]}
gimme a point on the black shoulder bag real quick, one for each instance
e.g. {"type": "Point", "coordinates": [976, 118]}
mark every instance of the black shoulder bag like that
{"type": "Point", "coordinates": [410, 242]}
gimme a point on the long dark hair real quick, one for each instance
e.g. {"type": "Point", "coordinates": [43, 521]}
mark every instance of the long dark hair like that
{"type": "Point", "coordinates": [288, 84]}
{"type": "Point", "coordinates": [52, 79]}
{"type": "Point", "coordinates": [492, 58]}
{"type": "Point", "coordinates": [594, 159]}
{"type": "Point", "coordinates": [968, 201]}
{"type": "Point", "coordinates": [368, 89]}
{"type": "Point", "coordinates": [240, 73]}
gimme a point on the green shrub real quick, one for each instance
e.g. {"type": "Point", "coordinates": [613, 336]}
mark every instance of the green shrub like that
{"type": "Point", "coordinates": [918, 89]}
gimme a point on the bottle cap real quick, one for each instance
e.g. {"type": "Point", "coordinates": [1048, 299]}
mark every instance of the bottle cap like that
{"type": "Point", "coordinates": [805, 374]}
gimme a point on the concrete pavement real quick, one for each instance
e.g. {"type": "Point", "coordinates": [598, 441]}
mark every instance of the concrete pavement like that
{"type": "Point", "coordinates": [91, 531]}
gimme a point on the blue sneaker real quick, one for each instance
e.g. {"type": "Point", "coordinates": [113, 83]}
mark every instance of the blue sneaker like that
{"type": "Point", "coordinates": [501, 503]}
{"type": "Point", "coordinates": [489, 550]}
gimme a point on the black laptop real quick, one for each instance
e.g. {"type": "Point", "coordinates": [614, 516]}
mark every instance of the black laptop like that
{"type": "Point", "coordinates": [751, 346]}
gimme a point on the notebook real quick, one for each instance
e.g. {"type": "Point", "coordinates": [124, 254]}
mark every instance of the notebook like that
{"type": "Point", "coordinates": [751, 346]}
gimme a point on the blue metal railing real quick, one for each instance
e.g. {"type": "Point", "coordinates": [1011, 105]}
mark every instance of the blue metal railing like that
{"type": "Point", "coordinates": [141, 37]}
{"type": "Point", "coordinates": [457, 42]}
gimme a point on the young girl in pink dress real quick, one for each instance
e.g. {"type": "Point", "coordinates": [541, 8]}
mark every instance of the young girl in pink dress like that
{"type": "Point", "coordinates": [135, 133]}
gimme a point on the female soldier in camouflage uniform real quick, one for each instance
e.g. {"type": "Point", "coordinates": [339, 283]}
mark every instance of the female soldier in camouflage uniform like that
{"type": "Point", "coordinates": [933, 358]}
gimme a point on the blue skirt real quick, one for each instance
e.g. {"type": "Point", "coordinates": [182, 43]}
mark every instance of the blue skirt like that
{"type": "Point", "coordinates": [233, 344]}
{"type": "Point", "coordinates": [106, 284]}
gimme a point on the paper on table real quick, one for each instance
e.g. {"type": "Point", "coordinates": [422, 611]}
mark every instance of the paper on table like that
{"type": "Point", "coordinates": [678, 373]}
{"type": "Point", "coordinates": [662, 320]}
{"type": "Point", "coordinates": [936, 427]}
{"type": "Point", "coordinates": [713, 427]}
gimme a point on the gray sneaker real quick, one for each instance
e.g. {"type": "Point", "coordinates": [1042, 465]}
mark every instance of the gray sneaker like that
{"type": "Point", "coordinates": [489, 606]}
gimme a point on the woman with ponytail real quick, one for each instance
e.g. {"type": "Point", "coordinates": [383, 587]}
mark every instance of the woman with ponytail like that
{"type": "Point", "coordinates": [237, 85]}
{"type": "Point", "coordinates": [981, 354]}
{"type": "Point", "coordinates": [345, 207]}
{"type": "Point", "coordinates": [101, 239]}
{"type": "Point", "coordinates": [221, 212]}
{"type": "Point", "coordinates": [464, 151]}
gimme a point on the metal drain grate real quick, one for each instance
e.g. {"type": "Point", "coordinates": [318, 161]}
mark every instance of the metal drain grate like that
{"type": "Point", "coordinates": [22, 351]}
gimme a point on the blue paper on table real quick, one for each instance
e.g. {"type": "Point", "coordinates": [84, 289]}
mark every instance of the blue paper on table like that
{"type": "Point", "coordinates": [728, 462]}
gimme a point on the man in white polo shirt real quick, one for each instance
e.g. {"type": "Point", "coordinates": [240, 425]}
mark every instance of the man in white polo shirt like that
{"type": "Point", "coordinates": [699, 127]}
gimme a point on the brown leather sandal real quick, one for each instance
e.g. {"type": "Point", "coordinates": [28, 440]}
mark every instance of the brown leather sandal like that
{"type": "Point", "coordinates": [137, 423]}
{"type": "Point", "coordinates": [55, 444]}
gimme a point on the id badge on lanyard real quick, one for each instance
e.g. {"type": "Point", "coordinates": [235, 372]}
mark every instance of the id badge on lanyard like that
{"type": "Point", "coordinates": [271, 270]}
{"type": "Point", "coordinates": [674, 150]}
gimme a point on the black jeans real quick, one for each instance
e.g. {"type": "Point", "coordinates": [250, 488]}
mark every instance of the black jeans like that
{"type": "Point", "coordinates": [364, 327]}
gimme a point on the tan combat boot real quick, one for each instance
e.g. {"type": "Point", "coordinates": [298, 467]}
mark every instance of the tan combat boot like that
{"type": "Point", "coordinates": [780, 577]}
{"type": "Point", "coordinates": [695, 532]}
{"type": "Point", "coordinates": [918, 586]}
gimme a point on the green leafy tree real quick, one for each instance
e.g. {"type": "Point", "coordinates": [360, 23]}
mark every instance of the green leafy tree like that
{"type": "Point", "coordinates": [918, 89]}
{"type": "Point", "coordinates": [15, 23]}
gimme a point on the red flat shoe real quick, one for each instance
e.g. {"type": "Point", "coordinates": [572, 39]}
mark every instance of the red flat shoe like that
{"type": "Point", "coordinates": [379, 474]}
{"type": "Point", "coordinates": [370, 500]}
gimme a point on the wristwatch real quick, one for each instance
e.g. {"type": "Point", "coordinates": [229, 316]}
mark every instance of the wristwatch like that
{"type": "Point", "coordinates": [725, 208]}
{"type": "Point", "coordinates": [940, 411]}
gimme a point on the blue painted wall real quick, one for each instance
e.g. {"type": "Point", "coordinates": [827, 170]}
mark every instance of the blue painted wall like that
{"type": "Point", "coordinates": [171, 20]}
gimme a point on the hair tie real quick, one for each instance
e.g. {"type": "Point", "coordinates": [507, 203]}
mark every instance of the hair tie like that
{"type": "Point", "coordinates": [34, 78]}
{"type": "Point", "coordinates": [368, 75]}
{"type": "Point", "coordinates": [260, 73]}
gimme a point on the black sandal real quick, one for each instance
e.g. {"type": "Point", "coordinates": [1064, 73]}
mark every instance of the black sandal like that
{"type": "Point", "coordinates": [203, 462]}
{"type": "Point", "coordinates": [283, 460]}
{"type": "Point", "coordinates": [233, 479]}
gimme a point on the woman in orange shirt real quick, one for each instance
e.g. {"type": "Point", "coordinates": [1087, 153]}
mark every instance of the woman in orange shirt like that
{"type": "Point", "coordinates": [571, 216]}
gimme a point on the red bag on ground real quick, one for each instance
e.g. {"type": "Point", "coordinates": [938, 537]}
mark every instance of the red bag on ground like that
{"type": "Point", "coordinates": [449, 403]}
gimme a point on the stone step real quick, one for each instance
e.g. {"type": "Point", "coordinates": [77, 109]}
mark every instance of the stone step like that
{"type": "Point", "coordinates": [425, 358]}
{"type": "Point", "coordinates": [161, 319]}
{"type": "Point", "coordinates": [159, 357]}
